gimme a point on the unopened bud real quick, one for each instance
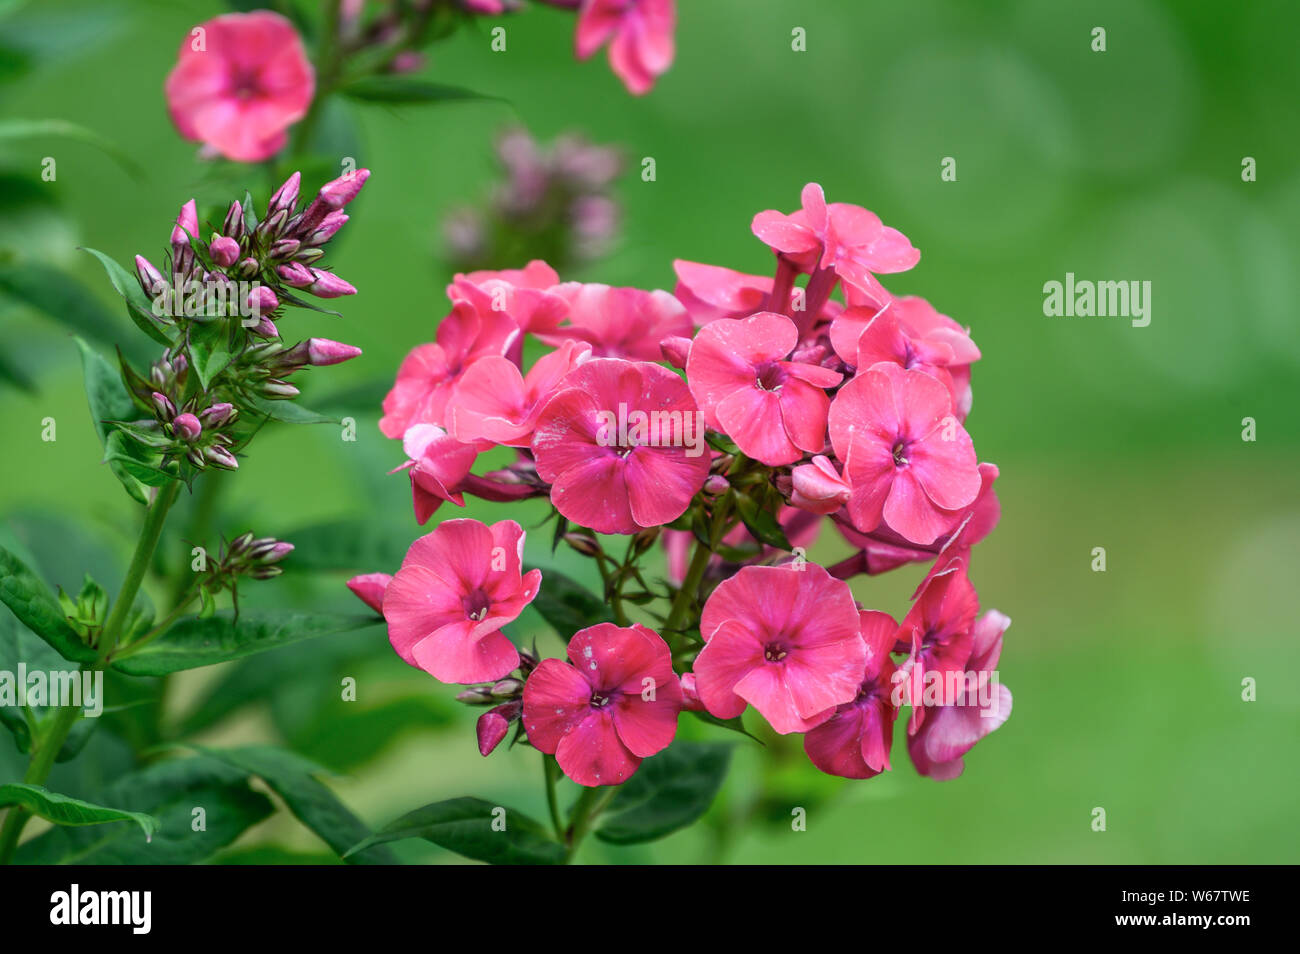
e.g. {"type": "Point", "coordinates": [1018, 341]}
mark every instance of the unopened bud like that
{"type": "Point", "coordinates": [286, 196]}
{"type": "Point", "coordinates": [339, 192]}
{"type": "Point", "coordinates": [279, 390]}
{"type": "Point", "coordinates": [151, 279]}
{"type": "Point", "coordinates": [218, 414]}
{"type": "Point", "coordinates": [234, 223]}
{"type": "Point", "coordinates": [715, 485]}
{"type": "Point", "coordinates": [582, 543]}
{"type": "Point", "coordinates": [224, 251]}
{"type": "Point", "coordinates": [187, 427]}
{"type": "Point", "coordinates": [262, 300]}
{"type": "Point", "coordinates": [329, 285]}
{"type": "Point", "coordinates": [221, 457]}
{"type": "Point", "coordinates": [162, 404]}
{"type": "Point", "coordinates": [248, 268]}
{"type": "Point", "coordinates": [507, 688]}
{"type": "Point", "coordinates": [474, 696]}
{"type": "Point", "coordinates": [676, 349]}
{"type": "Point", "coordinates": [323, 232]}
{"type": "Point", "coordinates": [322, 352]}
{"type": "Point", "coordinates": [284, 248]}
{"type": "Point", "coordinates": [295, 275]}
{"type": "Point", "coordinates": [187, 224]}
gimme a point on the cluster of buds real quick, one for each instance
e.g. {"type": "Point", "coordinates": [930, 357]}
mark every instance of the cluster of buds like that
{"type": "Point", "coordinates": [87, 612]}
{"type": "Point", "coordinates": [219, 310]}
{"type": "Point", "coordinates": [505, 696]}
{"type": "Point", "coordinates": [246, 556]}
{"type": "Point", "coordinates": [553, 204]}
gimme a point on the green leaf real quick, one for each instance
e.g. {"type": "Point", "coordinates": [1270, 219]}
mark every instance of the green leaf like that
{"type": "Point", "coordinates": [761, 522]}
{"type": "Point", "coordinates": [37, 609]}
{"type": "Point", "coordinates": [406, 90]}
{"type": "Point", "coordinates": [568, 606]}
{"type": "Point", "coordinates": [109, 401]}
{"type": "Point", "coordinates": [192, 643]}
{"type": "Point", "coordinates": [669, 791]}
{"type": "Point", "coordinates": [59, 296]}
{"type": "Point", "coordinates": [61, 128]}
{"type": "Point", "coordinates": [288, 412]}
{"type": "Point", "coordinates": [138, 306]}
{"type": "Point", "coordinates": [465, 826]}
{"type": "Point", "coordinates": [63, 810]}
{"type": "Point", "coordinates": [171, 791]}
{"type": "Point", "coordinates": [208, 351]}
{"type": "Point", "coordinates": [348, 545]}
{"type": "Point", "coordinates": [293, 778]}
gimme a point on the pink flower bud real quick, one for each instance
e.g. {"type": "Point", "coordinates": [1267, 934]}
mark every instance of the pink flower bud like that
{"type": "Point", "coordinates": [265, 329]}
{"type": "Point", "coordinates": [818, 487]}
{"type": "Point", "coordinates": [248, 268]}
{"type": "Point", "coordinates": [690, 694]}
{"type": "Point", "coordinates": [221, 457]}
{"type": "Point", "coordinates": [339, 192]}
{"type": "Point", "coordinates": [187, 224]}
{"type": "Point", "coordinates": [217, 414]}
{"type": "Point", "coordinates": [224, 251]}
{"type": "Point", "coordinates": [295, 275]}
{"type": "Point", "coordinates": [163, 405]}
{"type": "Point", "coordinates": [329, 285]}
{"type": "Point", "coordinates": [187, 427]}
{"type": "Point", "coordinates": [327, 227]}
{"type": "Point", "coordinates": [234, 223]}
{"type": "Point", "coordinates": [323, 351]}
{"type": "Point", "coordinates": [287, 195]}
{"type": "Point", "coordinates": [272, 551]}
{"type": "Point", "coordinates": [262, 300]}
{"type": "Point", "coordinates": [675, 350]}
{"type": "Point", "coordinates": [151, 279]}
{"type": "Point", "coordinates": [715, 485]}
{"type": "Point", "coordinates": [370, 587]}
{"type": "Point", "coordinates": [279, 390]}
{"type": "Point", "coordinates": [284, 248]}
{"type": "Point", "coordinates": [493, 725]}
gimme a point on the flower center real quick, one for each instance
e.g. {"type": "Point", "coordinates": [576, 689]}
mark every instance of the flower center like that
{"type": "Point", "coordinates": [900, 453]}
{"type": "Point", "coordinates": [775, 652]}
{"type": "Point", "coordinates": [769, 376]}
{"type": "Point", "coordinates": [600, 699]}
{"type": "Point", "coordinates": [476, 605]}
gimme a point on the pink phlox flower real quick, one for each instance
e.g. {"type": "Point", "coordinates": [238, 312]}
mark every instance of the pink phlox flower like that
{"type": "Point", "coordinates": [429, 373]}
{"type": "Point", "coordinates": [455, 590]}
{"type": "Point", "coordinates": [614, 703]}
{"type": "Point", "coordinates": [640, 37]}
{"type": "Point", "coordinates": [773, 408]}
{"type": "Point", "coordinates": [494, 402]}
{"type": "Point", "coordinates": [438, 465]}
{"type": "Point", "coordinates": [818, 487]}
{"type": "Point", "coordinates": [936, 634]}
{"type": "Point", "coordinates": [620, 322]}
{"type": "Point", "coordinates": [784, 639]}
{"type": "Point", "coordinates": [855, 741]}
{"type": "Point", "coordinates": [907, 457]}
{"type": "Point", "coordinates": [240, 83]}
{"type": "Point", "coordinates": [622, 445]}
{"type": "Point", "coordinates": [523, 294]}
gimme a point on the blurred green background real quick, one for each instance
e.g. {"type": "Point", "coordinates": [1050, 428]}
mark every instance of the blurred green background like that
{"type": "Point", "coordinates": [1117, 165]}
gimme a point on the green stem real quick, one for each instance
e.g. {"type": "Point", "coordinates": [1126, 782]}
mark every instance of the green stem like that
{"type": "Point", "coordinates": [586, 810]}
{"type": "Point", "coordinates": [552, 770]}
{"type": "Point", "coordinates": [46, 748]}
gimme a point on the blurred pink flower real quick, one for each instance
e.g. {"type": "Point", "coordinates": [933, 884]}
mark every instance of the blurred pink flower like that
{"type": "Point", "coordinates": [608, 474]}
{"type": "Point", "coordinates": [240, 83]}
{"type": "Point", "coordinates": [640, 36]}
{"type": "Point", "coordinates": [786, 640]}
{"type": "Point", "coordinates": [906, 456]}
{"type": "Point", "coordinates": [455, 590]}
{"type": "Point", "coordinates": [855, 741]}
{"type": "Point", "coordinates": [774, 409]}
{"type": "Point", "coordinates": [613, 704]}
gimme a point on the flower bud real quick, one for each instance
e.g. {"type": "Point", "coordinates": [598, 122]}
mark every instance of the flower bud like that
{"type": "Point", "coordinates": [322, 352]}
{"type": "Point", "coordinates": [308, 255]}
{"type": "Point", "coordinates": [474, 696]}
{"type": "Point", "coordinates": [187, 224]}
{"type": "Point", "coordinates": [339, 192]}
{"type": "Point", "coordinates": [329, 285]}
{"type": "Point", "coordinates": [493, 725]}
{"type": "Point", "coordinates": [234, 223]}
{"type": "Point", "coordinates": [278, 390]}
{"type": "Point", "coordinates": [221, 457]}
{"type": "Point", "coordinates": [675, 350]}
{"type": "Point", "coordinates": [218, 414]}
{"type": "Point", "coordinates": [715, 485]}
{"type": "Point", "coordinates": [151, 279]}
{"type": "Point", "coordinates": [295, 275]}
{"type": "Point", "coordinates": [265, 572]}
{"type": "Point", "coordinates": [323, 232]}
{"type": "Point", "coordinates": [163, 406]}
{"type": "Point", "coordinates": [582, 544]}
{"type": "Point", "coordinates": [224, 251]}
{"type": "Point", "coordinates": [248, 268]}
{"type": "Point", "coordinates": [265, 328]}
{"type": "Point", "coordinates": [690, 693]}
{"type": "Point", "coordinates": [285, 197]}
{"type": "Point", "coordinates": [262, 300]}
{"type": "Point", "coordinates": [507, 688]}
{"type": "Point", "coordinates": [284, 248]}
{"type": "Point", "coordinates": [187, 427]}
{"type": "Point", "coordinates": [269, 550]}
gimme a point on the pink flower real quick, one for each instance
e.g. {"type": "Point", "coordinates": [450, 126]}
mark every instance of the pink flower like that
{"type": "Point", "coordinates": [949, 732]}
{"type": "Point", "coordinates": [494, 402]}
{"type": "Point", "coordinates": [906, 456]}
{"type": "Point", "coordinates": [370, 587]}
{"type": "Point", "coordinates": [642, 38]}
{"type": "Point", "coordinates": [786, 640]}
{"type": "Point", "coordinates": [818, 487]}
{"type": "Point", "coordinates": [882, 549]}
{"type": "Point", "coordinates": [774, 409]}
{"type": "Point", "coordinates": [240, 84]}
{"type": "Point", "coordinates": [846, 238]}
{"type": "Point", "coordinates": [438, 466]}
{"type": "Point", "coordinates": [523, 294]}
{"type": "Point", "coordinates": [614, 704]}
{"type": "Point", "coordinates": [620, 322]}
{"type": "Point", "coordinates": [457, 587]}
{"type": "Point", "coordinates": [622, 445]}
{"type": "Point", "coordinates": [430, 372]}
{"type": "Point", "coordinates": [936, 634]}
{"type": "Point", "coordinates": [855, 741]}
{"type": "Point", "coordinates": [910, 333]}
{"type": "Point", "coordinates": [710, 292]}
